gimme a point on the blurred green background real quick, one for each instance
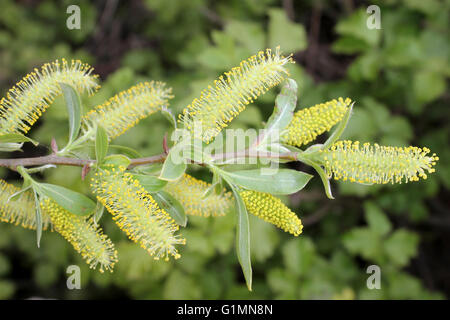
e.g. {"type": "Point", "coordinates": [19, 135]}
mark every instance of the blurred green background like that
{"type": "Point", "coordinates": [397, 75]}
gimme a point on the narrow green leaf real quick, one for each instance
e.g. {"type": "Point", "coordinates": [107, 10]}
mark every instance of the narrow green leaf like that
{"type": "Point", "coordinates": [117, 160]}
{"type": "Point", "coordinates": [167, 113]}
{"type": "Point", "coordinates": [174, 166]}
{"type": "Point", "coordinates": [10, 147]}
{"type": "Point", "coordinates": [151, 169]}
{"type": "Point", "coordinates": [243, 238]}
{"type": "Point", "coordinates": [18, 194]}
{"type": "Point", "coordinates": [99, 209]}
{"type": "Point", "coordinates": [283, 112]}
{"type": "Point", "coordinates": [101, 144]}
{"type": "Point", "coordinates": [211, 189]}
{"type": "Point", "coordinates": [130, 152]}
{"type": "Point", "coordinates": [70, 200]}
{"type": "Point", "coordinates": [219, 186]}
{"type": "Point", "coordinates": [38, 219]}
{"type": "Point", "coordinates": [74, 110]}
{"type": "Point", "coordinates": [150, 183]}
{"type": "Point", "coordinates": [322, 174]}
{"type": "Point", "coordinates": [339, 129]}
{"type": "Point", "coordinates": [168, 203]}
{"type": "Point", "coordinates": [283, 181]}
{"type": "Point", "coordinates": [16, 137]}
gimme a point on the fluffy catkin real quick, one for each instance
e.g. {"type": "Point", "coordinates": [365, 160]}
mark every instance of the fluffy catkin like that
{"type": "Point", "coordinates": [206, 116]}
{"type": "Point", "coordinates": [136, 212]}
{"type": "Point", "coordinates": [87, 239]}
{"type": "Point", "coordinates": [190, 193]}
{"type": "Point", "coordinates": [272, 210]}
{"type": "Point", "coordinates": [311, 122]}
{"type": "Point", "coordinates": [127, 108]}
{"type": "Point", "coordinates": [20, 212]}
{"type": "Point", "coordinates": [348, 160]}
{"type": "Point", "coordinates": [29, 98]}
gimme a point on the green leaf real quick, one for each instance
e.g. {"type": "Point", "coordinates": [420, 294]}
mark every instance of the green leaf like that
{"type": "Point", "coordinates": [101, 144]}
{"type": "Point", "coordinates": [117, 160]}
{"type": "Point", "coordinates": [174, 166]}
{"type": "Point", "coordinates": [289, 35]}
{"type": "Point", "coordinates": [10, 147]}
{"type": "Point", "coordinates": [299, 256]}
{"type": "Point", "coordinates": [247, 34]}
{"type": "Point", "coordinates": [263, 239]}
{"type": "Point", "coordinates": [376, 219]}
{"type": "Point", "coordinates": [16, 137]}
{"type": "Point", "coordinates": [130, 152]}
{"type": "Point", "coordinates": [428, 85]}
{"type": "Point", "coordinates": [283, 112]}
{"type": "Point", "coordinates": [99, 210]}
{"type": "Point", "coordinates": [26, 185]}
{"type": "Point", "coordinates": [282, 181]}
{"type": "Point", "coordinates": [339, 129]}
{"type": "Point", "coordinates": [168, 114]}
{"type": "Point", "coordinates": [356, 26]}
{"type": "Point", "coordinates": [211, 189]}
{"type": "Point", "coordinates": [37, 204]}
{"type": "Point", "coordinates": [243, 237]}
{"type": "Point", "coordinates": [74, 110]}
{"type": "Point", "coordinates": [363, 241]}
{"type": "Point", "coordinates": [401, 246]}
{"type": "Point", "coordinates": [70, 200]}
{"type": "Point", "coordinates": [150, 183]}
{"type": "Point", "coordinates": [171, 206]}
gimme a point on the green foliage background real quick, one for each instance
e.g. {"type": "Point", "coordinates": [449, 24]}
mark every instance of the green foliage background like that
{"type": "Point", "coordinates": [397, 75]}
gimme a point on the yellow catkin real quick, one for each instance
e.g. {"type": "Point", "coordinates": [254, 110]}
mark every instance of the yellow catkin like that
{"type": "Point", "coordinates": [311, 122]}
{"type": "Point", "coordinates": [348, 160]}
{"type": "Point", "coordinates": [190, 191]}
{"type": "Point", "coordinates": [136, 212]}
{"type": "Point", "coordinates": [30, 97]}
{"type": "Point", "coordinates": [271, 209]}
{"type": "Point", "coordinates": [127, 108]}
{"type": "Point", "coordinates": [87, 239]}
{"type": "Point", "coordinates": [206, 116]}
{"type": "Point", "coordinates": [20, 212]}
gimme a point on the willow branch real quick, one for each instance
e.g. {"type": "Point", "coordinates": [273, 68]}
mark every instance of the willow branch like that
{"type": "Point", "coordinates": [58, 160]}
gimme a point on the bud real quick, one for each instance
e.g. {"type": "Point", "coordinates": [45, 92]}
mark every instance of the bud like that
{"type": "Point", "coordinates": [347, 160]}
{"type": "Point", "coordinates": [220, 104]}
{"type": "Point", "coordinates": [30, 97]}
{"type": "Point", "coordinates": [190, 193]}
{"type": "Point", "coordinates": [272, 210]}
{"type": "Point", "coordinates": [136, 212]}
{"type": "Point", "coordinates": [127, 108]}
{"type": "Point", "coordinates": [21, 211]}
{"type": "Point", "coordinates": [311, 122]}
{"type": "Point", "coordinates": [81, 232]}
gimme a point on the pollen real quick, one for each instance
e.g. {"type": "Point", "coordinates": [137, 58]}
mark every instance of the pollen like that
{"type": "Point", "coordinates": [271, 209]}
{"type": "Point", "coordinates": [311, 122]}
{"type": "Point", "coordinates": [87, 239]}
{"type": "Point", "coordinates": [368, 164]}
{"type": "Point", "coordinates": [136, 213]}
{"type": "Point", "coordinates": [127, 108]}
{"type": "Point", "coordinates": [207, 115]}
{"type": "Point", "coordinates": [20, 212]}
{"type": "Point", "coordinates": [190, 193]}
{"type": "Point", "coordinates": [29, 98]}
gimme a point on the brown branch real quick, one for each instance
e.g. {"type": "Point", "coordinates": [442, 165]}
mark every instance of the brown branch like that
{"type": "Point", "coordinates": [57, 160]}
